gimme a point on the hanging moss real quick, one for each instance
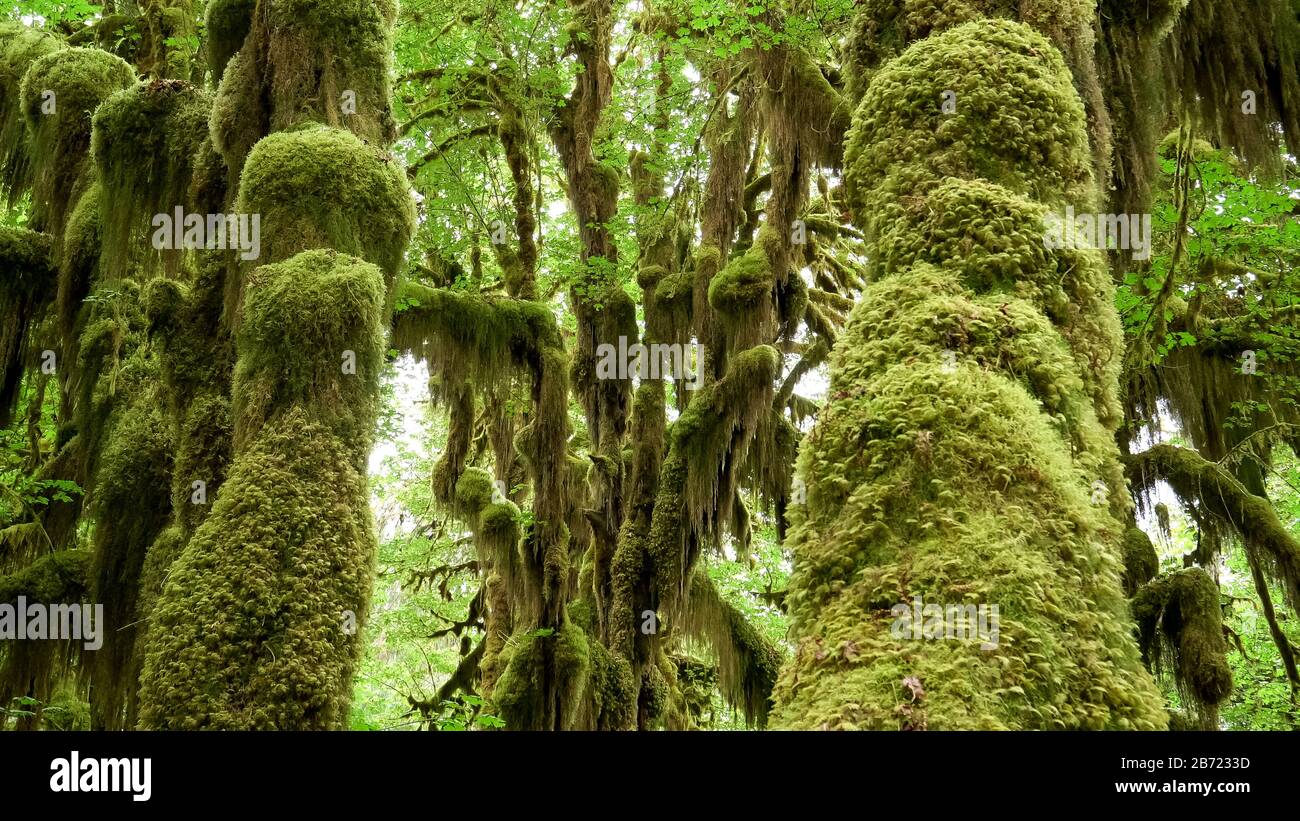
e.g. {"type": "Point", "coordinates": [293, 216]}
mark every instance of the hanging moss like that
{"type": "Point", "coordinates": [20, 46]}
{"type": "Point", "coordinates": [145, 142]}
{"type": "Point", "coordinates": [464, 336]}
{"type": "Point", "coordinates": [697, 483]}
{"type": "Point", "coordinates": [460, 432]}
{"type": "Point", "coordinates": [79, 260]}
{"type": "Point", "coordinates": [131, 507]}
{"type": "Point", "coordinates": [226, 24]}
{"type": "Point", "coordinates": [562, 656]}
{"type": "Point", "coordinates": [1229, 505]}
{"type": "Point", "coordinates": [33, 668]}
{"type": "Point", "coordinates": [21, 543]}
{"type": "Point", "coordinates": [496, 527]}
{"type": "Point", "coordinates": [1131, 64]}
{"type": "Point", "coordinates": [1180, 625]}
{"type": "Point", "coordinates": [79, 80]}
{"type": "Point", "coordinates": [747, 662]}
{"type": "Point", "coordinates": [325, 188]}
{"type": "Point", "coordinates": [26, 287]}
{"type": "Point", "coordinates": [1218, 51]}
{"type": "Point", "coordinates": [319, 49]}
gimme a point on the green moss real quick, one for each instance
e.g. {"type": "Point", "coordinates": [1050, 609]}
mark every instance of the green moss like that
{"type": "Point", "coordinates": [131, 507]}
{"type": "Point", "coordinates": [239, 118]}
{"type": "Point", "coordinates": [157, 564]}
{"type": "Point", "coordinates": [226, 24]}
{"type": "Point", "coordinates": [20, 46]}
{"type": "Point", "coordinates": [62, 576]}
{"type": "Point", "coordinates": [740, 287]}
{"type": "Point", "coordinates": [312, 336]}
{"type": "Point", "coordinates": [613, 690]}
{"type": "Point", "coordinates": [474, 492]}
{"type": "Point", "coordinates": [203, 454]}
{"type": "Point", "coordinates": [325, 188]}
{"type": "Point", "coordinates": [1018, 121]}
{"type": "Point", "coordinates": [882, 29]}
{"type": "Point", "coordinates": [322, 61]}
{"type": "Point", "coordinates": [1180, 623]}
{"type": "Point", "coordinates": [252, 628]}
{"type": "Point", "coordinates": [79, 80]}
{"type": "Point", "coordinates": [953, 486]}
{"type": "Point", "coordinates": [674, 306]}
{"type": "Point", "coordinates": [26, 280]}
{"type": "Point", "coordinates": [79, 260]}
{"type": "Point", "coordinates": [145, 142]}
{"type": "Point", "coordinates": [562, 657]}
{"type": "Point", "coordinates": [1141, 564]}
{"type": "Point", "coordinates": [259, 621]}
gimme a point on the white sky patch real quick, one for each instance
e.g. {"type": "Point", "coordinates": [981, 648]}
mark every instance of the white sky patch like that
{"type": "Point", "coordinates": [410, 379]}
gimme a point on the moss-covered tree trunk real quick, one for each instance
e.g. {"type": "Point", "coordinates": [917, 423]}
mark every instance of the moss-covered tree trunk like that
{"type": "Point", "coordinates": [258, 623]}
{"type": "Point", "coordinates": [965, 458]}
